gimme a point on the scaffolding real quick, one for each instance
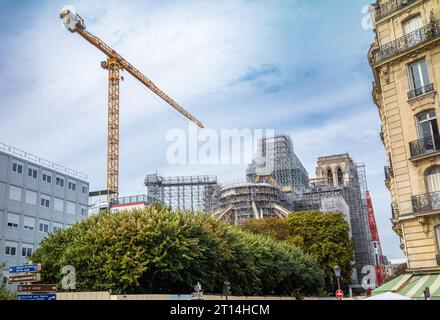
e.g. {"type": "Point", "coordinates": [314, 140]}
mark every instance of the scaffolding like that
{"type": "Point", "coordinates": [240, 200]}
{"type": "Point", "coordinates": [353, 190]}
{"type": "Point", "coordinates": [276, 158]}
{"type": "Point", "coordinates": [188, 193]}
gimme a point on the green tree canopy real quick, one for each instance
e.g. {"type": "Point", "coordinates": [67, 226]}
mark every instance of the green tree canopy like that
{"type": "Point", "coordinates": [324, 236]}
{"type": "Point", "coordinates": [155, 250]}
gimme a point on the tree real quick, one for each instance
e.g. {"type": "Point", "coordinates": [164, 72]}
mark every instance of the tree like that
{"type": "Point", "coordinates": [324, 236]}
{"type": "Point", "coordinates": [4, 292]}
{"type": "Point", "coordinates": [401, 269]}
{"type": "Point", "coordinates": [272, 226]}
{"type": "Point", "coordinates": [155, 250]}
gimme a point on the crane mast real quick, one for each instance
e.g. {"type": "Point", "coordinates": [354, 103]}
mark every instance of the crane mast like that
{"type": "Point", "coordinates": [114, 64]}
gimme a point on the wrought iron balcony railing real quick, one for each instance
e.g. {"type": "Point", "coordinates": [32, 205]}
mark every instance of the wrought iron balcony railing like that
{"type": "Point", "coordinates": [408, 41]}
{"type": "Point", "coordinates": [426, 202]}
{"type": "Point", "coordinates": [388, 173]}
{"type": "Point", "coordinates": [419, 91]}
{"type": "Point", "coordinates": [391, 6]}
{"type": "Point", "coordinates": [424, 146]}
{"type": "Point", "coordinates": [395, 210]}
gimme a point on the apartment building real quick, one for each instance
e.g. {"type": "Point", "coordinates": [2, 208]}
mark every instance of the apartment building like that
{"type": "Point", "coordinates": [405, 59]}
{"type": "Point", "coordinates": [37, 197]}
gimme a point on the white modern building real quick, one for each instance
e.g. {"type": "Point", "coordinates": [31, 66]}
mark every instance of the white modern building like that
{"type": "Point", "coordinates": [37, 197]}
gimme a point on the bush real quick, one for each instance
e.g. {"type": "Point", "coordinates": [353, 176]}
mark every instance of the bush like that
{"type": "Point", "coordinates": [324, 236]}
{"type": "Point", "coordinates": [155, 250]}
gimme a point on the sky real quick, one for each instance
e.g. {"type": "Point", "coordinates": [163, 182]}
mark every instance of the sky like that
{"type": "Point", "coordinates": [298, 67]}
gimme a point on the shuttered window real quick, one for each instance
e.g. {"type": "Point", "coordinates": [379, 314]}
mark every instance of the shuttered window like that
{"type": "Point", "coordinates": [71, 207]}
{"type": "Point", "coordinates": [31, 197]}
{"type": "Point", "coordinates": [413, 24]}
{"type": "Point", "coordinates": [29, 223]}
{"type": "Point", "coordinates": [13, 220]}
{"type": "Point", "coordinates": [15, 193]}
{"type": "Point", "coordinates": [433, 178]}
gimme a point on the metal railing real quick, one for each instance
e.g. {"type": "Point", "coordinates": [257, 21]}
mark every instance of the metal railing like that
{"type": "Point", "coordinates": [419, 91]}
{"type": "Point", "coordinates": [133, 199]}
{"type": "Point", "coordinates": [395, 210]}
{"type": "Point", "coordinates": [426, 202]}
{"type": "Point", "coordinates": [391, 6]}
{"type": "Point", "coordinates": [40, 161]}
{"type": "Point", "coordinates": [424, 146]}
{"type": "Point", "coordinates": [408, 41]}
{"type": "Point", "coordinates": [388, 173]}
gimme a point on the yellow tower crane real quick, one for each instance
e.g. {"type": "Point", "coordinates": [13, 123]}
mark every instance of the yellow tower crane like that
{"type": "Point", "coordinates": [114, 64]}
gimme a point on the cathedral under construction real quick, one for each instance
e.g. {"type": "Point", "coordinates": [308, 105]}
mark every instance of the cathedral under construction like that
{"type": "Point", "coordinates": [276, 183]}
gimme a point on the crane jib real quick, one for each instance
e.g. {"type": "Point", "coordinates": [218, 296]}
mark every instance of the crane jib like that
{"type": "Point", "coordinates": [124, 64]}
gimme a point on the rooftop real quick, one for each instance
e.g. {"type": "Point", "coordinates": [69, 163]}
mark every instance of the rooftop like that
{"type": "Point", "coordinates": [42, 162]}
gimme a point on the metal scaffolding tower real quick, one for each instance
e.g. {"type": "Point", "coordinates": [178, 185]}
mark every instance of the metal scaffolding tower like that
{"type": "Point", "coordinates": [276, 158]}
{"type": "Point", "coordinates": [190, 193]}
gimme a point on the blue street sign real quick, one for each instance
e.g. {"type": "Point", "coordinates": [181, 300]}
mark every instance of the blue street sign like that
{"type": "Point", "coordinates": [25, 269]}
{"type": "Point", "coordinates": [37, 297]}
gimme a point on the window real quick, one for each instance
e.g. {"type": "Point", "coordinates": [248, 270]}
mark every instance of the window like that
{"type": "Point", "coordinates": [26, 250]}
{"type": "Point", "coordinates": [29, 223]}
{"type": "Point", "coordinates": [33, 173]}
{"type": "Point", "coordinates": [83, 211]}
{"type": "Point", "coordinates": [84, 189]}
{"type": "Point", "coordinates": [437, 237]}
{"type": "Point", "coordinates": [419, 82]}
{"type": "Point", "coordinates": [340, 177]}
{"type": "Point", "coordinates": [13, 220]}
{"type": "Point", "coordinates": [59, 205]}
{"type": "Point", "coordinates": [72, 186]}
{"type": "Point", "coordinates": [427, 125]}
{"type": "Point", "coordinates": [413, 24]}
{"type": "Point", "coordinates": [17, 168]}
{"type": "Point", "coordinates": [59, 182]}
{"type": "Point", "coordinates": [45, 201]}
{"type": "Point", "coordinates": [44, 227]}
{"type": "Point", "coordinates": [15, 193]}
{"type": "Point", "coordinates": [71, 207]}
{"type": "Point", "coordinates": [330, 177]}
{"type": "Point", "coordinates": [47, 178]}
{"type": "Point", "coordinates": [57, 227]}
{"type": "Point", "coordinates": [31, 197]}
{"type": "Point", "coordinates": [433, 179]}
{"type": "Point", "coordinates": [10, 248]}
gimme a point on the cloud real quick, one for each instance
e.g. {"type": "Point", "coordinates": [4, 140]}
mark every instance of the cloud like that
{"type": "Point", "coordinates": [255, 73]}
{"type": "Point", "coordinates": [234, 64]}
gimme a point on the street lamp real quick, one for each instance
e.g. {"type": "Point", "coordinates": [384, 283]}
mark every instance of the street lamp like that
{"type": "Point", "coordinates": [337, 271]}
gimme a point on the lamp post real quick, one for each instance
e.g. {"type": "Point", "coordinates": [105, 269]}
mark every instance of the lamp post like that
{"type": "Point", "coordinates": [337, 271]}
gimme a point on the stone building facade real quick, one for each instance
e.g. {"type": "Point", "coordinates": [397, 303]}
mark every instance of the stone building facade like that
{"type": "Point", "coordinates": [405, 59]}
{"type": "Point", "coordinates": [341, 173]}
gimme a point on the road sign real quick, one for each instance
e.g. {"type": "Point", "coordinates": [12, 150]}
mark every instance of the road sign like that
{"type": "Point", "coordinates": [37, 297]}
{"type": "Point", "coordinates": [25, 278]}
{"type": "Point", "coordinates": [37, 288]}
{"type": "Point", "coordinates": [339, 294]}
{"type": "Point", "coordinates": [25, 269]}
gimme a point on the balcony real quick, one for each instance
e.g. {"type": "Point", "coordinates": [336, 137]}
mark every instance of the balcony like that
{"type": "Point", "coordinates": [420, 91]}
{"type": "Point", "coordinates": [407, 42]}
{"type": "Point", "coordinates": [388, 173]}
{"type": "Point", "coordinates": [391, 6]}
{"type": "Point", "coordinates": [425, 146]}
{"type": "Point", "coordinates": [426, 202]}
{"type": "Point", "coordinates": [395, 211]}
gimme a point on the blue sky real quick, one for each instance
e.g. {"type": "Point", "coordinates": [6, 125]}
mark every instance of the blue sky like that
{"type": "Point", "coordinates": [299, 67]}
